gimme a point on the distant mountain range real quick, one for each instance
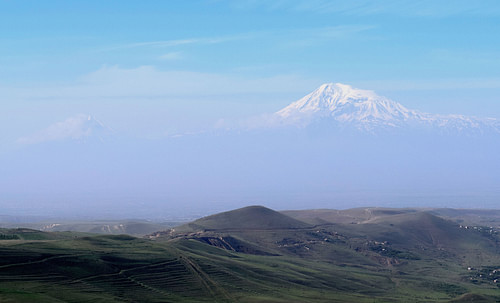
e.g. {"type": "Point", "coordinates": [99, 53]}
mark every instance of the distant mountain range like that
{"type": "Point", "coordinates": [337, 147]}
{"type": "Point", "coordinates": [331, 107]}
{"type": "Point", "coordinates": [80, 127]}
{"type": "Point", "coordinates": [365, 110]}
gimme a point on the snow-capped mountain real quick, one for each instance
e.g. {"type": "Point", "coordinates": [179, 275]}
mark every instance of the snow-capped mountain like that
{"type": "Point", "coordinates": [80, 127]}
{"type": "Point", "coordinates": [365, 110]}
{"type": "Point", "coordinates": [95, 128]}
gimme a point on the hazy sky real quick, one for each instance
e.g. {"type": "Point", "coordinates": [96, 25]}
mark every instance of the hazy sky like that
{"type": "Point", "coordinates": [156, 67]}
{"type": "Point", "coordinates": [152, 69]}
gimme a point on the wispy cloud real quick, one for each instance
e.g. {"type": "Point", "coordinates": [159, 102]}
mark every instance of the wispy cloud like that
{"type": "Point", "coordinates": [311, 37]}
{"type": "Point", "coordinates": [426, 8]}
{"type": "Point", "coordinates": [148, 81]}
{"type": "Point", "coordinates": [332, 32]}
{"type": "Point", "coordinates": [329, 32]}
{"type": "Point", "coordinates": [173, 43]}
{"type": "Point", "coordinates": [171, 56]}
{"type": "Point", "coordinates": [114, 82]}
{"type": "Point", "coordinates": [76, 127]}
{"type": "Point", "coordinates": [168, 43]}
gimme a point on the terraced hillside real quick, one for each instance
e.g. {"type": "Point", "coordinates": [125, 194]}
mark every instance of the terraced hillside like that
{"type": "Point", "coordinates": [109, 227]}
{"type": "Point", "coordinates": [255, 254]}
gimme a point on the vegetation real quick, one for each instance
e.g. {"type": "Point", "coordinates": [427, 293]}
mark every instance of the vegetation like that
{"type": "Point", "coordinates": [400, 257]}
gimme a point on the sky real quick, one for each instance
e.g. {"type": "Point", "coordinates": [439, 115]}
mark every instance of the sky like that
{"type": "Point", "coordinates": [153, 69]}
{"type": "Point", "coordinates": [148, 64]}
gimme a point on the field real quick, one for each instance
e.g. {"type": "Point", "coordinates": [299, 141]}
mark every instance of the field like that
{"type": "Point", "coordinates": [396, 257]}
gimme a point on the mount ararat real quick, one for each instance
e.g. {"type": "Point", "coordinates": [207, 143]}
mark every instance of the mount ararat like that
{"type": "Point", "coordinates": [337, 147]}
{"type": "Point", "coordinates": [333, 107]}
{"type": "Point", "coordinates": [364, 110]}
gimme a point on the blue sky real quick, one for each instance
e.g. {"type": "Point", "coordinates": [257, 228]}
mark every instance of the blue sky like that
{"type": "Point", "coordinates": [212, 59]}
{"type": "Point", "coordinates": [150, 69]}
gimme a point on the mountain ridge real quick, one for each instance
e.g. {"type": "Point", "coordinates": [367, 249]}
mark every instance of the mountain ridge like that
{"type": "Point", "coordinates": [80, 128]}
{"type": "Point", "coordinates": [367, 111]}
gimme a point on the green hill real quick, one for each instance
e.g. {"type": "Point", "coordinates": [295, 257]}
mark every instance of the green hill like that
{"type": "Point", "coordinates": [130, 227]}
{"type": "Point", "coordinates": [354, 215]}
{"type": "Point", "coordinates": [426, 229]}
{"type": "Point", "coordinates": [255, 254]}
{"type": "Point", "coordinates": [247, 218]}
{"type": "Point", "coordinates": [32, 234]}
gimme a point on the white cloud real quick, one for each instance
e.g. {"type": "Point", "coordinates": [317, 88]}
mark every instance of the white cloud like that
{"type": "Point", "coordinates": [318, 33]}
{"type": "Point", "coordinates": [147, 81]}
{"type": "Point", "coordinates": [173, 43]}
{"type": "Point", "coordinates": [150, 82]}
{"type": "Point", "coordinates": [76, 127]}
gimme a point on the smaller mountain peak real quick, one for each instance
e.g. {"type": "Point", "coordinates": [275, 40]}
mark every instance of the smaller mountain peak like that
{"type": "Point", "coordinates": [328, 87]}
{"type": "Point", "coordinates": [80, 127]}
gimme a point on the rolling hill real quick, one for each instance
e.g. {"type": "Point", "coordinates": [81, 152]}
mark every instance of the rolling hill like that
{"type": "Point", "coordinates": [353, 215]}
{"type": "Point", "coordinates": [247, 218]}
{"type": "Point", "coordinates": [256, 254]}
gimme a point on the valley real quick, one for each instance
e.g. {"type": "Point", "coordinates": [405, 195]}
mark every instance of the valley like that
{"type": "Point", "coordinates": [290, 151]}
{"type": "Point", "coordinates": [256, 254]}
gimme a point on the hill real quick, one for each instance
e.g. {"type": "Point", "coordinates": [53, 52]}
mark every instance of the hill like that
{"type": "Point", "coordinates": [353, 215]}
{"type": "Point", "coordinates": [256, 254]}
{"type": "Point", "coordinates": [419, 231]}
{"type": "Point", "coordinates": [479, 217]}
{"type": "Point", "coordinates": [110, 227]}
{"type": "Point", "coordinates": [483, 217]}
{"type": "Point", "coordinates": [27, 234]}
{"type": "Point", "coordinates": [247, 218]}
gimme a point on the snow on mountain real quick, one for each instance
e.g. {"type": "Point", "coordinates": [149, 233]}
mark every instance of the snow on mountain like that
{"type": "Point", "coordinates": [80, 127]}
{"type": "Point", "coordinates": [365, 110]}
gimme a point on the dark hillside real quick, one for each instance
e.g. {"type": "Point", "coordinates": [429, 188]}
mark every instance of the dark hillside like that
{"type": "Point", "coordinates": [251, 217]}
{"type": "Point", "coordinates": [255, 254]}
{"type": "Point", "coordinates": [428, 229]}
{"type": "Point", "coordinates": [484, 217]}
{"type": "Point", "coordinates": [429, 237]}
{"type": "Point", "coordinates": [354, 215]}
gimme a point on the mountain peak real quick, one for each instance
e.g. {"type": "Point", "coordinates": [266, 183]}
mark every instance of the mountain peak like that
{"type": "Point", "coordinates": [365, 110]}
{"type": "Point", "coordinates": [344, 103]}
{"type": "Point", "coordinates": [335, 86]}
{"type": "Point", "coordinates": [80, 127]}
{"type": "Point", "coordinates": [336, 89]}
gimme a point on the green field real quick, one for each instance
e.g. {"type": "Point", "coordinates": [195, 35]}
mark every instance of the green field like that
{"type": "Point", "coordinates": [403, 257]}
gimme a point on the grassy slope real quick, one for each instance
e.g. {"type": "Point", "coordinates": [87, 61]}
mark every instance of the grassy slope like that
{"type": "Point", "coordinates": [129, 227]}
{"type": "Point", "coordinates": [330, 263]}
{"type": "Point", "coordinates": [353, 215]}
{"type": "Point", "coordinates": [111, 269]}
{"type": "Point", "coordinates": [123, 269]}
{"type": "Point", "coordinates": [251, 217]}
{"type": "Point", "coordinates": [480, 217]}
